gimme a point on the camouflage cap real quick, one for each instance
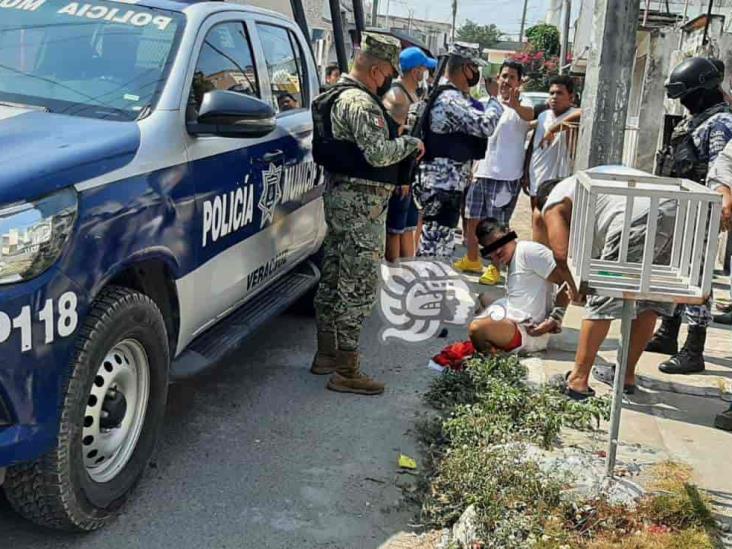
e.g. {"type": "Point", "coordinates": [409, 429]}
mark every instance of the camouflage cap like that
{"type": "Point", "coordinates": [467, 51]}
{"type": "Point", "coordinates": [382, 47]}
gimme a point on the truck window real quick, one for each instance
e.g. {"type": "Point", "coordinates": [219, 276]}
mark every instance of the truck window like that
{"type": "Point", "coordinates": [102, 59]}
{"type": "Point", "coordinates": [285, 67]}
{"type": "Point", "coordinates": [225, 63]}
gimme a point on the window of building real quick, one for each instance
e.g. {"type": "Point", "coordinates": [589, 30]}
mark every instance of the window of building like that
{"type": "Point", "coordinates": [285, 67]}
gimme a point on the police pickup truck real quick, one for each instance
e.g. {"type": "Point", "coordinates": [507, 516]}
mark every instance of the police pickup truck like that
{"type": "Point", "coordinates": [158, 201]}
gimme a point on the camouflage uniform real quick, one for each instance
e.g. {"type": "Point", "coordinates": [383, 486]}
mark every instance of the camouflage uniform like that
{"type": "Point", "coordinates": [443, 180]}
{"type": "Point", "coordinates": [355, 212]}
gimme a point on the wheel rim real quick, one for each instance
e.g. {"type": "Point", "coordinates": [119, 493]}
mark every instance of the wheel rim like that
{"type": "Point", "coordinates": [115, 411]}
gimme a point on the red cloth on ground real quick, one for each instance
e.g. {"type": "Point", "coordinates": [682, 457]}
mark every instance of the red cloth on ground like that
{"type": "Point", "coordinates": [453, 356]}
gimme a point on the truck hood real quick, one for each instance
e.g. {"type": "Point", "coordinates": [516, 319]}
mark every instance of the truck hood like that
{"type": "Point", "coordinates": [42, 152]}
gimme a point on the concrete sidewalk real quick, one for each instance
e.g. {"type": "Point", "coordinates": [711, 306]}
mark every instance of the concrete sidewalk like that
{"type": "Point", "coordinates": [669, 417]}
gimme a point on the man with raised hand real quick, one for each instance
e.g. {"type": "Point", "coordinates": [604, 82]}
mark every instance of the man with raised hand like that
{"type": "Point", "coordinates": [497, 184]}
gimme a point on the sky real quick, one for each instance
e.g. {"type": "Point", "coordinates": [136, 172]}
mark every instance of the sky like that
{"type": "Point", "coordinates": [505, 14]}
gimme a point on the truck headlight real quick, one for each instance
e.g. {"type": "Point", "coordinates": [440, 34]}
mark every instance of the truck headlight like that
{"type": "Point", "coordinates": [33, 235]}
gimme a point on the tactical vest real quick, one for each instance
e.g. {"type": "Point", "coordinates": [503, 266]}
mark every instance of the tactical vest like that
{"type": "Point", "coordinates": [342, 157]}
{"type": "Point", "coordinates": [457, 146]}
{"type": "Point", "coordinates": [680, 158]}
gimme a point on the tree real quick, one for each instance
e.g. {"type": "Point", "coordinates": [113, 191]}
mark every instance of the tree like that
{"type": "Point", "coordinates": [544, 38]}
{"type": "Point", "coordinates": [485, 35]}
{"type": "Point", "coordinates": [538, 68]}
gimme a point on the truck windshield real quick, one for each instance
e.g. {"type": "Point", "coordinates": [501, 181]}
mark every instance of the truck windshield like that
{"type": "Point", "coordinates": [99, 59]}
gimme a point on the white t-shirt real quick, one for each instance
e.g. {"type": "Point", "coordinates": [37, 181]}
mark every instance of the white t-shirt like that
{"type": "Point", "coordinates": [610, 209]}
{"type": "Point", "coordinates": [552, 161]}
{"type": "Point", "coordinates": [504, 157]}
{"type": "Point", "coordinates": [528, 292]}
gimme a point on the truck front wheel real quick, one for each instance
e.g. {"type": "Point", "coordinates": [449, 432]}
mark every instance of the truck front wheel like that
{"type": "Point", "coordinates": [110, 418]}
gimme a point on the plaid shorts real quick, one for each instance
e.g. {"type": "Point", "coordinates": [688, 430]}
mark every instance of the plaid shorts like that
{"type": "Point", "coordinates": [491, 198]}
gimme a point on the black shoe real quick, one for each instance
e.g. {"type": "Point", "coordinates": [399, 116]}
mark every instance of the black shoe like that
{"type": "Point", "coordinates": [725, 319]}
{"type": "Point", "coordinates": [691, 358]}
{"type": "Point", "coordinates": [665, 341]}
{"type": "Point", "coordinates": [724, 420]}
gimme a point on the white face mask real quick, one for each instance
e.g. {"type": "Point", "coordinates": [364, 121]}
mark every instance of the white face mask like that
{"type": "Point", "coordinates": [423, 83]}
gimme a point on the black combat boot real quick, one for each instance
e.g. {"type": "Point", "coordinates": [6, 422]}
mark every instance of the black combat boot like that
{"type": "Point", "coordinates": [723, 318]}
{"type": "Point", "coordinates": [691, 358]}
{"type": "Point", "coordinates": [724, 420]}
{"type": "Point", "coordinates": [665, 340]}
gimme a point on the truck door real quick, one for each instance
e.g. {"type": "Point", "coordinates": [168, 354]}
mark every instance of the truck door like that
{"type": "Point", "coordinates": [289, 87]}
{"type": "Point", "coordinates": [237, 182]}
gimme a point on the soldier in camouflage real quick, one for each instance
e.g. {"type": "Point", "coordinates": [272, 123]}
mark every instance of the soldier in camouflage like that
{"type": "Point", "coordinates": [456, 133]}
{"type": "Point", "coordinates": [359, 147]}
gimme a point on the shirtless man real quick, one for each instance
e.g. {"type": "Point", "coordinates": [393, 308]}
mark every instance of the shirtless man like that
{"type": "Point", "coordinates": [402, 217]}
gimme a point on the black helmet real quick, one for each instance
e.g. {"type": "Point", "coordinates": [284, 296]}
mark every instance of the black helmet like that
{"type": "Point", "coordinates": [696, 73]}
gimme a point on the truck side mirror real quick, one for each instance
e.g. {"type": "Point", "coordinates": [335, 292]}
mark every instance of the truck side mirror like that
{"type": "Point", "coordinates": [233, 114]}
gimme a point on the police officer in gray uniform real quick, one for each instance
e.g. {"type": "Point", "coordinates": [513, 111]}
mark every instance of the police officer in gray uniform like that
{"type": "Point", "coordinates": [695, 144]}
{"type": "Point", "coordinates": [456, 133]}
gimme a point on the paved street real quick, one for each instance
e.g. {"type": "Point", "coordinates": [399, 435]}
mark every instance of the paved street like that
{"type": "Point", "coordinates": [257, 454]}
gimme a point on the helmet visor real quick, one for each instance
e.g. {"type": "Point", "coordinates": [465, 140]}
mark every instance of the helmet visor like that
{"type": "Point", "coordinates": [676, 90]}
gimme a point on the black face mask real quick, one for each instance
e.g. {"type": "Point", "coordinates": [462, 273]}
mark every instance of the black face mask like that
{"type": "Point", "coordinates": [385, 87]}
{"type": "Point", "coordinates": [474, 78]}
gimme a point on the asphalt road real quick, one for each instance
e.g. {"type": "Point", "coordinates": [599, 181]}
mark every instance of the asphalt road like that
{"type": "Point", "coordinates": [258, 454]}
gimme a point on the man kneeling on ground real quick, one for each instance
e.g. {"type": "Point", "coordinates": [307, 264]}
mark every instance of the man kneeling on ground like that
{"type": "Point", "coordinates": [525, 318]}
{"type": "Point", "coordinates": [555, 199]}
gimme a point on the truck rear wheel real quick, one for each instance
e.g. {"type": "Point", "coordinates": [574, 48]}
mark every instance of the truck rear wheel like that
{"type": "Point", "coordinates": [110, 418]}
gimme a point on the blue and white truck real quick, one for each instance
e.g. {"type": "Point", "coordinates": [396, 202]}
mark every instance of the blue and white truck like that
{"type": "Point", "coordinates": [158, 201]}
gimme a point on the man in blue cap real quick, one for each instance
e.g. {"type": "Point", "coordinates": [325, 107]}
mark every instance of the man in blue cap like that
{"type": "Point", "coordinates": [403, 216]}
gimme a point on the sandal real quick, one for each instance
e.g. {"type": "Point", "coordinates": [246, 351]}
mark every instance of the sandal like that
{"type": "Point", "coordinates": [606, 374]}
{"type": "Point", "coordinates": [579, 396]}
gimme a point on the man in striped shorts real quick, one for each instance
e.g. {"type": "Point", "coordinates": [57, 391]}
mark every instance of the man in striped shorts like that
{"type": "Point", "coordinates": [496, 189]}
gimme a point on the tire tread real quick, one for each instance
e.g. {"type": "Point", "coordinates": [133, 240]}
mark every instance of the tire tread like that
{"type": "Point", "coordinates": [39, 490]}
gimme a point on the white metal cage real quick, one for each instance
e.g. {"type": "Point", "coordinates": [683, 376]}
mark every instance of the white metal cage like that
{"type": "Point", "coordinates": [686, 278]}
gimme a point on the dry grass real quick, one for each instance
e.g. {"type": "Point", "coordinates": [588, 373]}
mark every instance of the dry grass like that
{"type": "Point", "coordinates": [518, 505]}
{"type": "Point", "coordinates": [647, 539]}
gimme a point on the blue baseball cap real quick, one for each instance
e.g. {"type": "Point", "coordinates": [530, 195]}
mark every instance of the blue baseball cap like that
{"type": "Point", "coordinates": [411, 58]}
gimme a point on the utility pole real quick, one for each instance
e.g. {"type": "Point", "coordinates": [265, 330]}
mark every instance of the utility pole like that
{"type": "Point", "coordinates": [375, 13]}
{"type": "Point", "coordinates": [454, 18]}
{"type": "Point", "coordinates": [523, 22]}
{"type": "Point", "coordinates": [565, 35]}
{"type": "Point", "coordinates": [359, 19]}
{"type": "Point", "coordinates": [705, 40]}
{"type": "Point", "coordinates": [338, 36]}
{"type": "Point", "coordinates": [607, 84]}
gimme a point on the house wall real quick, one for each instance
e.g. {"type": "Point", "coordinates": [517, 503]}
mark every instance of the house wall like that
{"type": "Point", "coordinates": [660, 46]}
{"type": "Point", "coordinates": [498, 56]}
{"type": "Point", "coordinates": [281, 6]}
